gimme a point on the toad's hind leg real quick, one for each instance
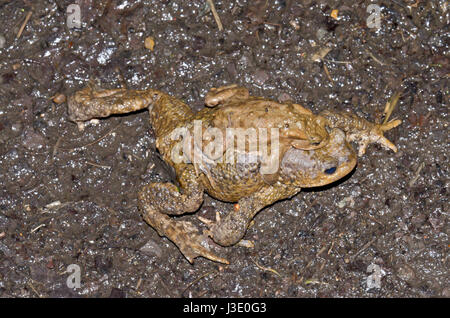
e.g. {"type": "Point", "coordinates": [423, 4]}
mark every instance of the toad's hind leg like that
{"type": "Point", "coordinates": [159, 199]}
{"type": "Point", "coordinates": [92, 102]}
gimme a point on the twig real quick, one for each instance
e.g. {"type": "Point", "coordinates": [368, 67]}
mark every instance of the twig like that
{"type": "Point", "coordinates": [216, 16]}
{"type": "Point", "coordinates": [321, 250]}
{"type": "Point", "coordinates": [37, 228]}
{"type": "Point", "coordinates": [390, 106]}
{"type": "Point", "coordinates": [416, 176]}
{"type": "Point", "coordinates": [329, 251]}
{"type": "Point", "coordinates": [314, 281]}
{"type": "Point", "coordinates": [197, 280]}
{"type": "Point", "coordinates": [374, 58]}
{"type": "Point", "coordinates": [320, 55]}
{"type": "Point", "coordinates": [265, 268]}
{"type": "Point", "coordinates": [94, 142]}
{"type": "Point", "coordinates": [325, 68]}
{"type": "Point", "coordinates": [364, 247]}
{"type": "Point", "coordinates": [57, 205]}
{"type": "Point", "coordinates": [338, 62]}
{"type": "Point", "coordinates": [55, 148]}
{"type": "Point", "coordinates": [34, 289]}
{"type": "Point", "coordinates": [27, 18]}
{"type": "Point", "coordinates": [138, 284]}
{"type": "Point", "coordinates": [97, 165]}
{"type": "Point", "coordinates": [34, 189]}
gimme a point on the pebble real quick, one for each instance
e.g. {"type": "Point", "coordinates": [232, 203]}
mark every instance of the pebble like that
{"type": "Point", "coordinates": [347, 201]}
{"type": "Point", "coordinates": [149, 43]}
{"type": "Point", "coordinates": [406, 273]}
{"type": "Point", "coordinates": [151, 248]}
{"type": "Point", "coordinates": [33, 141]}
{"type": "Point", "coordinates": [284, 97]}
{"type": "Point", "coordinates": [2, 41]}
{"type": "Point", "coordinates": [322, 34]}
{"type": "Point", "coordinates": [59, 98]}
{"type": "Point", "coordinates": [260, 77]}
{"type": "Point", "coordinates": [16, 127]}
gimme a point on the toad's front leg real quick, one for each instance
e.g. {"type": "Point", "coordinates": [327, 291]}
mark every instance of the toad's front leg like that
{"type": "Point", "coordinates": [360, 130]}
{"type": "Point", "coordinates": [159, 199]}
{"type": "Point", "coordinates": [230, 229]}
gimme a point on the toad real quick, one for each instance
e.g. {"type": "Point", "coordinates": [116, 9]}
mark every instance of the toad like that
{"type": "Point", "coordinates": [244, 149]}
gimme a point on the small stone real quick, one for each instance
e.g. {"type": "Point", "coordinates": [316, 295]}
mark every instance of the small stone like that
{"type": "Point", "coordinates": [347, 201]}
{"type": "Point", "coordinates": [33, 141]}
{"type": "Point", "coordinates": [260, 77]}
{"type": "Point", "coordinates": [149, 43]}
{"type": "Point", "coordinates": [406, 273]}
{"type": "Point", "coordinates": [59, 98]}
{"type": "Point", "coordinates": [284, 97]}
{"type": "Point", "coordinates": [446, 292]}
{"type": "Point", "coordinates": [322, 34]}
{"type": "Point", "coordinates": [50, 264]}
{"type": "Point", "coordinates": [151, 248]}
{"type": "Point", "coordinates": [2, 41]}
{"type": "Point", "coordinates": [17, 127]}
{"type": "Point", "coordinates": [334, 14]}
{"type": "Point", "coordinates": [295, 24]}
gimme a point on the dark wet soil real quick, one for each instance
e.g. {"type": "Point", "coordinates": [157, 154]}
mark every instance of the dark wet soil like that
{"type": "Point", "coordinates": [70, 197]}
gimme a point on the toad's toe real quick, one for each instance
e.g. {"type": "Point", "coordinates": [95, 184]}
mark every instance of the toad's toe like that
{"type": "Point", "coordinates": [193, 244]}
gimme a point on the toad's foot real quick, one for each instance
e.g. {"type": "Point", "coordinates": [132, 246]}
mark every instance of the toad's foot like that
{"type": "Point", "coordinates": [186, 237]}
{"type": "Point", "coordinates": [213, 224]}
{"type": "Point", "coordinates": [360, 130]}
{"type": "Point", "coordinates": [375, 135]}
{"type": "Point", "coordinates": [183, 233]}
{"type": "Point", "coordinates": [159, 199]}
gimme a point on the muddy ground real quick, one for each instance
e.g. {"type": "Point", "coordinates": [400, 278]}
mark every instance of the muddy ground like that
{"type": "Point", "coordinates": [70, 197]}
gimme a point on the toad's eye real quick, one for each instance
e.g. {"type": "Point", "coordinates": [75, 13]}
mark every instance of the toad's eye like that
{"type": "Point", "coordinates": [330, 170]}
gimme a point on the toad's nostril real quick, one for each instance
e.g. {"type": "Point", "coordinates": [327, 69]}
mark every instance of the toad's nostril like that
{"type": "Point", "coordinates": [330, 170]}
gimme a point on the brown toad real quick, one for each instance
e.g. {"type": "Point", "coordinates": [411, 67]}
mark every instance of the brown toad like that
{"type": "Point", "coordinates": [302, 150]}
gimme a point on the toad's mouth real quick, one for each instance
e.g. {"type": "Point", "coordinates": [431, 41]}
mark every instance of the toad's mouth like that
{"type": "Point", "coordinates": [333, 173]}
